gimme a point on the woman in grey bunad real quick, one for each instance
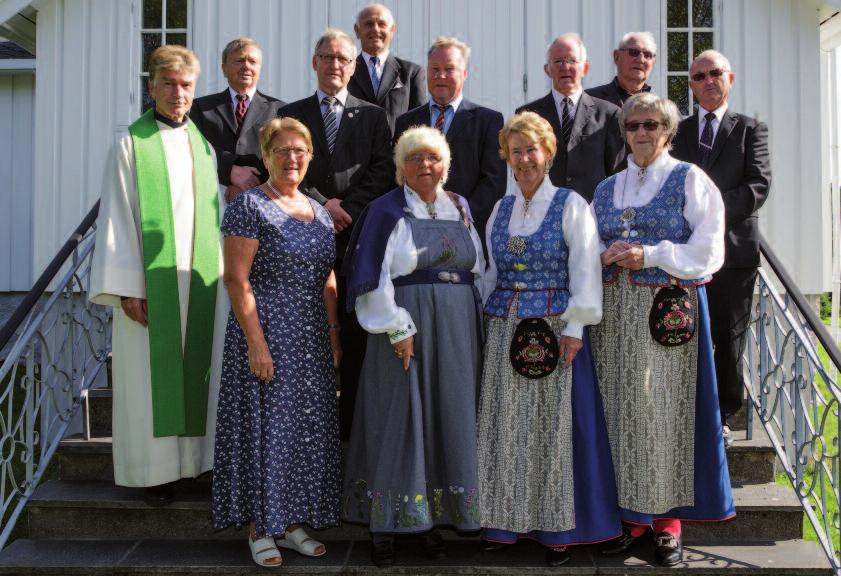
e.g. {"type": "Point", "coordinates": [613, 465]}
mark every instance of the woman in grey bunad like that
{"type": "Point", "coordinates": [413, 261]}
{"type": "Point", "coordinates": [661, 223]}
{"type": "Point", "coordinates": [545, 471]}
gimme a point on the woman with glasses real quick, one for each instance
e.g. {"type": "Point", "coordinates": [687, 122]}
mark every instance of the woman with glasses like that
{"type": "Point", "coordinates": [414, 262]}
{"type": "Point", "coordinates": [544, 462]}
{"type": "Point", "coordinates": [276, 461]}
{"type": "Point", "coordinates": [661, 225]}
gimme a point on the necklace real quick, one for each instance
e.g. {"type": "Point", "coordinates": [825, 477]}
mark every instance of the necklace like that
{"type": "Point", "coordinates": [430, 208]}
{"type": "Point", "coordinates": [628, 213]}
{"type": "Point", "coordinates": [641, 174]}
{"type": "Point", "coordinates": [517, 244]}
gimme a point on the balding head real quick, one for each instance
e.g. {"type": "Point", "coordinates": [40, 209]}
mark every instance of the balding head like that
{"type": "Point", "coordinates": [711, 78]}
{"type": "Point", "coordinates": [375, 28]}
{"type": "Point", "coordinates": [634, 59]}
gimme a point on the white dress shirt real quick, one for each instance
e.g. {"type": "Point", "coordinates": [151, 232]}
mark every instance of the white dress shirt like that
{"type": "Point", "coordinates": [234, 102]}
{"type": "Point", "coordinates": [719, 114]}
{"type": "Point", "coordinates": [559, 103]}
{"type": "Point", "coordinates": [341, 98]}
{"type": "Point", "coordinates": [582, 239]}
{"type": "Point", "coordinates": [381, 58]}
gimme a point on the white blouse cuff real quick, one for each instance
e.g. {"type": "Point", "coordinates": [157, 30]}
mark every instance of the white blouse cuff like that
{"type": "Point", "coordinates": [395, 336]}
{"type": "Point", "coordinates": [574, 330]}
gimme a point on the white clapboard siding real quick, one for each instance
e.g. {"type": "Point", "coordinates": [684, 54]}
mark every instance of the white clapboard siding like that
{"type": "Point", "coordinates": [16, 128]}
{"type": "Point", "coordinates": [88, 62]}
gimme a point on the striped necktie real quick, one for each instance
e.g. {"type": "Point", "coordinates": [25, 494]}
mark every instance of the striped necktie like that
{"type": "Point", "coordinates": [331, 125]}
{"type": "Point", "coordinates": [242, 109]}
{"type": "Point", "coordinates": [706, 143]}
{"type": "Point", "coordinates": [442, 115]}
{"type": "Point", "coordinates": [566, 120]}
{"type": "Point", "coordinates": [375, 78]}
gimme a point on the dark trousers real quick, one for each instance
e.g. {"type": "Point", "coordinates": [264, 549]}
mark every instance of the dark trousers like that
{"type": "Point", "coordinates": [353, 353]}
{"type": "Point", "coordinates": [730, 294]}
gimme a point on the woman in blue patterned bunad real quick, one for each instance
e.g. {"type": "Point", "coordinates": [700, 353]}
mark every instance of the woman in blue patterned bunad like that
{"type": "Point", "coordinates": [544, 466]}
{"type": "Point", "coordinates": [413, 264]}
{"type": "Point", "coordinates": [276, 461]}
{"type": "Point", "coordinates": [661, 224]}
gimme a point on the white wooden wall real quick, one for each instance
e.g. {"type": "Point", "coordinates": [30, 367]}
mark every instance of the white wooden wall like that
{"type": "Point", "coordinates": [88, 59]}
{"type": "Point", "coordinates": [17, 99]}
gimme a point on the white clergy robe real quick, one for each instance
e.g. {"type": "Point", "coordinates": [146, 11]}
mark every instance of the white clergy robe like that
{"type": "Point", "coordinates": [117, 271]}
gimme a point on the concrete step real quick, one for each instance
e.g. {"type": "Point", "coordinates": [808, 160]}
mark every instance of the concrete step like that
{"type": "Point", "coordinates": [100, 401]}
{"type": "Point", "coordinates": [751, 461]}
{"type": "Point", "coordinates": [86, 509]}
{"type": "Point", "coordinates": [80, 459]}
{"type": "Point", "coordinates": [213, 557]}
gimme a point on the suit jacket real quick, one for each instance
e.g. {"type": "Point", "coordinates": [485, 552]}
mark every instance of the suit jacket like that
{"type": "Point", "coordinates": [402, 86]}
{"type": "Point", "coordinates": [476, 170]}
{"type": "Point", "coordinates": [740, 165]}
{"type": "Point", "coordinates": [613, 92]}
{"type": "Point", "coordinates": [214, 117]}
{"type": "Point", "coordinates": [595, 149]}
{"type": "Point", "coordinates": [360, 168]}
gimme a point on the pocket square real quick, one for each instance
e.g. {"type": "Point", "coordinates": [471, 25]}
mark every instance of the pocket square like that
{"type": "Point", "coordinates": [398, 85]}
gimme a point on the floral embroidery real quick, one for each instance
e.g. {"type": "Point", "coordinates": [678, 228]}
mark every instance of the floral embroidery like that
{"type": "Point", "coordinates": [397, 511]}
{"type": "Point", "coordinates": [448, 251]}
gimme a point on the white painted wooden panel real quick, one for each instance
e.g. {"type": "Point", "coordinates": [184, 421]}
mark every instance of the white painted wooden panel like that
{"type": "Point", "coordinates": [17, 100]}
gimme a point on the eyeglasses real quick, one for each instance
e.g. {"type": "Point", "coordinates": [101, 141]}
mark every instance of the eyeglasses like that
{"type": "Point", "coordinates": [636, 52]}
{"type": "Point", "coordinates": [287, 152]}
{"type": "Point", "coordinates": [343, 61]}
{"type": "Point", "coordinates": [648, 126]}
{"type": "Point", "coordinates": [421, 158]}
{"type": "Point", "coordinates": [565, 61]}
{"type": "Point", "coordinates": [714, 73]}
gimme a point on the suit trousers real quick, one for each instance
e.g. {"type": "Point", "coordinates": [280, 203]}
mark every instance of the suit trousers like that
{"type": "Point", "coordinates": [730, 295]}
{"type": "Point", "coordinates": [353, 339]}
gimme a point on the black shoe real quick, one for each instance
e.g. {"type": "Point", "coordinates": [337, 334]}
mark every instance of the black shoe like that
{"type": "Point", "coordinates": [382, 553]}
{"type": "Point", "coordinates": [161, 495]}
{"type": "Point", "coordinates": [488, 546]}
{"type": "Point", "coordinates": [433, 545]}
{"type": "Point", "coordinates": [619, 545]}
{"type": "Point", "coordinates": [667, 549]}
{"type": "Point", "coordinates": [557, 556]}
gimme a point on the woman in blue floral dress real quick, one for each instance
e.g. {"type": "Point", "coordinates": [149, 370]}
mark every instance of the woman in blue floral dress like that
{"type": "Point", "coordinates": [277, 444]}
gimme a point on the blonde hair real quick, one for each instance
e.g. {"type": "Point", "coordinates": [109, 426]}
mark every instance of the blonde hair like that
{"type": "Point", "coordinates": [172, 57]}
{"type": "Point", "coordinates": [450, 42]}
{"type": "Point", "coordinates": [648, 102]}
{"type": "Point", "coordinates": [275, 126]}
{"type": "Point", "coordinates": [240, 43]}
{"type": "Point", "coordinates": [535, 128]}
{"type": "Point", "coordinates": [420, 138]}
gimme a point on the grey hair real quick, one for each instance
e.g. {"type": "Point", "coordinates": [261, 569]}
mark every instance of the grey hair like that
{"type": "Point", "coordinates": [646, 37]}
{"type": "Point", "coordinates": [649, 102]}
{"type": "Point", "coordinates": [238, 44]}
{"type": "Point", "coordinates": [335, 34]}
{"type": "Point", "coordinates": [574, 37]}
{"type": "Point", "coordinates": [450, 42]}
{"type": "Point", "coordinates": [714, 55]}
{"type": "Point", "coordinates": [369, 7]}
{"type": "Point", "coordinates": [420, 138]}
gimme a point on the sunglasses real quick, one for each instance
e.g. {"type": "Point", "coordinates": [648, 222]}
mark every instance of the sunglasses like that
{"type": "Point", "coordinates": [714, 73]}
{"type": "Point", "coordinates": [648, 126]}
{"type": "Point", "coordinates": [635, 53]}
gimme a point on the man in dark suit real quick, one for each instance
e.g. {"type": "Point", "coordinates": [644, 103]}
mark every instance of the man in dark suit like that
{"type": "Point", "coordinates": [231, 119]}
{"type": "Point", "coordinates": [733, 150]}
{"type": "Point", "coordinates": [472, 131]}
{"type": "Point", "coordinates": [351, 166]}
{"type": "Point", "coordinates": [380, 77]}
{"type": "Point", "coordinates": [634, 61]}
{"type": "Point", "coordinates": [590, 146]}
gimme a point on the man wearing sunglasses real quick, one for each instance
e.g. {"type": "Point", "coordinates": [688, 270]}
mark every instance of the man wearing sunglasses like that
{"type": "Point", "coordinates": [733, 150]}
{"type": "Point", "coordinates": [634, 61]}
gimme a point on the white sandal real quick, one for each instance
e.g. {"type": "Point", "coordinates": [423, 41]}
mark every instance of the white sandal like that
{"type": "Point", "coordinates": [299, 541]}
{"type": "Point", "coordinates": [264, 549]}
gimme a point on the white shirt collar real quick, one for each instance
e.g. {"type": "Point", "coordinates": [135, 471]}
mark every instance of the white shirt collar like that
{"type": "Point", "coordinates": [559, 98]}
{"type": "Point", "coordinates": [382, 57]}
{"type": "Point", "coordinates": [719, 112]}
{"type": "Point", "coordinates": [341, 96]}
{"type": "Point", "coordinates": [546, 191]}
{"type": "Point", "coordinates": [455, 102]}
{"type": "Point", "coordinates": [662, 161]}
{"type": "Point", "coordinates": [233, 94]}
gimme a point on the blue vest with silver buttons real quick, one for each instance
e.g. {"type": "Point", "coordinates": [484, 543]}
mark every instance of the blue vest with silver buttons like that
{"type": "Point", "coordinates": [539, 276]}
{"type": "Point", "coordinates": [660, 219]}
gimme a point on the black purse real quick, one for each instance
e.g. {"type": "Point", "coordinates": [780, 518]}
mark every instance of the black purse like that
{"type": "Point", "coordinates": [672, 318]}
{"type": "Point", "coordinates": [534, 349]}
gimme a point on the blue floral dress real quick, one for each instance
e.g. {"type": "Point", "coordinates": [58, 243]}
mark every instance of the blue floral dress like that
{"type": "Point", "coordinates": [277, 442]}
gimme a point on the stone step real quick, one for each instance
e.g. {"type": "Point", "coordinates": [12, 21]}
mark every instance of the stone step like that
{"type": "Point", "coordinates": [214, 557]}
{"type": "Point", "coordinates": [80, 459]}
{"type": "Point", "coordinates": [751, 461]}
{"type": "Point", "coordinates": [99, 411]}
{"type": "Point", "coordinates": [85, 509]}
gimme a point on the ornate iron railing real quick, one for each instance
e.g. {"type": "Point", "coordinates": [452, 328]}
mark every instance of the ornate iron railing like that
{"type": "Point", "coordinates": [60, 345]}
{"type": "Point", "coordinates": [796, 397]}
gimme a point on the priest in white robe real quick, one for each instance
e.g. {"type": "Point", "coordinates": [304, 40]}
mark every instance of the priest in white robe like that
{"type": "Point", "coordinates": [157, 261]}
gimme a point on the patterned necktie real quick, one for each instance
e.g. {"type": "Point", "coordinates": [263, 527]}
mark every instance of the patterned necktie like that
{"type": "Point", "coordinates": [566, 120]}
{"type": "Point", "coordinates": [375, 78]}
{"type": "Point", "coordinates": [242, 108]}
{"type": "Point", "coordinates": [331, 125]}
{"type": "Point", "coordinates": [442, 113]}
{"type": "Point", "coordinates": [706, 144]}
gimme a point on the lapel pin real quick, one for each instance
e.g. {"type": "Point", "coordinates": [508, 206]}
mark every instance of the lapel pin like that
{"type": "Point", "coordinates": [350, 114]}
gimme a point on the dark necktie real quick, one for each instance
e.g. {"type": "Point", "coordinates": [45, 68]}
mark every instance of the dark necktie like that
{"type": "Point", "coordinates": [706, 143]}
{"type": "Point", "coordinates": [442, 114]}
{"type": "Point", "coordinates": [375, 78]}
{"type": "Point", "coordinates": [566, 120]}
{"type": "Point", "coordinates": [242, 108]}
{"type": "Point", "coordinates": [331, 124]}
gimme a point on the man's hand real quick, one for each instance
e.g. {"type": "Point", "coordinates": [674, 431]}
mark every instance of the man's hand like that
{"type": "Point", "coordinates": [232, 192]}
{"type": "Point", "coordinates": [341, 219]}
{"type": "Point", "coordinates": [245, 177]}
{"type": "Point", "coordinates": [136, 309]}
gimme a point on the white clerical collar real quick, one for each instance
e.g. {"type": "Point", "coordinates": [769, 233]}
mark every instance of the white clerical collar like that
{"type": "Point", "coordinates": [719, 112]}
{"type": "Point", "coordinates": [454, 103]}
{"type": "Point", "coordinates": [559, 98]}
{"type": "Point", "coordinates": [545, 191]}
{"type": "Point", "coordinates": [250, 93]}
{"type": "Point", "coordinates": [381, 58]}
{"type": "Point", "coordinates": [341, 96]}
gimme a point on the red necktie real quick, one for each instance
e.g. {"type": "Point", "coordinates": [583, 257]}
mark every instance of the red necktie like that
{"type": "Point", "coordinates": [439, 122]}
{"type": "Point", "coordinates": [242, 108]}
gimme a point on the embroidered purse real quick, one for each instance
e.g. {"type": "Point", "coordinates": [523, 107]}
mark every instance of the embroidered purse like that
{"type": "Point", "coordinates": [534, 349]}
{"type": "Point", "coordinates": [671, 320]}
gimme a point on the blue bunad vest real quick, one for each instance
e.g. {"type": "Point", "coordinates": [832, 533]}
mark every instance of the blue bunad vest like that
{"type": "Point", "coordinates": [660, 219]}
{"type": "Point", "coordinates": [539, 276]}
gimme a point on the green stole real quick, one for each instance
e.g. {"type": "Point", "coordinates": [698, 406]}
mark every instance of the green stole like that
{"type": "Point", "coordinates": [180, 380]}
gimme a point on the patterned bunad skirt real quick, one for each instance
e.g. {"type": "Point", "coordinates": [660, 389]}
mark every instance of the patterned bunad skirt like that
{"type": "Point", "coordinates": [661, 408]}
{"type": "Point", "coordinates": [544, 466]}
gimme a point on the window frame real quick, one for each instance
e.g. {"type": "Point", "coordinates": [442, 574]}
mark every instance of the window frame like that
{"type": "Point", "coordinates": [141, 75]}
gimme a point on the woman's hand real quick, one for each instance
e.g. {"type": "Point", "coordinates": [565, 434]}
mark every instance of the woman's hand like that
{"type": "Point", "coordinates": [633, 258]}
{"type": "Point", "coordinates": [260, 361]}
{"type": "Point", "coordinates": [569, 347]}
{"type": "Point", "coordinates": [336, 347]}
{"type": "Point", "coordinates": [608, 256]}
{"type": "Point", "coordinates": [405, 349]}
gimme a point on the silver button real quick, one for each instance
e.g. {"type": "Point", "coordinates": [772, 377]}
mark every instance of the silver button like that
{"type": "Point", "coordinates": [520, 285]}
